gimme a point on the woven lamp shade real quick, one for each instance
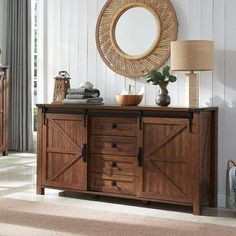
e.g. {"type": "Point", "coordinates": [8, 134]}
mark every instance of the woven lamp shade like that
{"type": "Point", "coordinates": [192, 55]}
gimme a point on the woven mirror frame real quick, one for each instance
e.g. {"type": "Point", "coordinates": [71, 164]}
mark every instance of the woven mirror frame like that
{"type": "Point", "coordinates": [136, 66]}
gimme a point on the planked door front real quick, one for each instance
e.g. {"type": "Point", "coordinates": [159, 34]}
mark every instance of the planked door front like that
{"type": "Point", "coordinates": [64, 152]}
{"type": "Point", "coordinates": [166, 171]}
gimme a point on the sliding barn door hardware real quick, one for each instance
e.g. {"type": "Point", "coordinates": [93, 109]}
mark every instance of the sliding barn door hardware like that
{"type": "Point", "coordinates": [188, 116]}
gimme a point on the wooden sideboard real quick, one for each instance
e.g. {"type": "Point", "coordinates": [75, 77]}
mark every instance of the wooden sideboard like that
{"type": "Point", "coordinates": [148, 153]}
{"type": "Point", "coordinates": [4, 83]}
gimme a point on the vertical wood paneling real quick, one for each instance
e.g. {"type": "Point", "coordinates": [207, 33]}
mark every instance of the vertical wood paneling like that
{"type": "Point", "coordinates": [183, 16]}
{"type": "Point", "coordinates": [65, 35]}
{"type": "Point", "coordinates": [3, 5]}
{"type": "Point", "coordinates": [140, 83]}
{"type": "Point", "coordinates": [206, 33]}
{"type": "Point", "coordinates": [74, 42]}
{"type": "Point", "coordinates": [230, 85]}
{"type": "Point", "coordinates": [101, 67]}
{"type": "Point", "coordinates": [219, 86]}
{"type": "Point", "coordinates": [92, 56]}
{"type": "Point", "coordinates": [83, 40]}
{"type": "Point", "coordinates": [53, 43]}
{"type": "Point", "coordinates": [195, 19]}
{"type": "Point", "coordinates": [110, 87]}
{"type": "Point", "coordinates": [151, 93]}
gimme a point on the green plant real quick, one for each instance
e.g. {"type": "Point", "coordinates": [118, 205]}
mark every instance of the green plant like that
{"type": "Point", "coordinates": [1, 51]}
{"type": "Point", "coordinates": [156, 77]}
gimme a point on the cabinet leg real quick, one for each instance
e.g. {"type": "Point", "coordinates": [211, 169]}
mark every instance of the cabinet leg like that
{"type": "Point", "coordinates": [5, 153]}
{"type": "Point", "coordinates": [96, 197]}
{"type": "Point", "coordinates": [145, 202]}
{"type": "Point", "coordinates": [213, 203]}
{"type": "Point", "coordinates": [196, 210]}
{"type": "Point", "coordinates": [40, 191]}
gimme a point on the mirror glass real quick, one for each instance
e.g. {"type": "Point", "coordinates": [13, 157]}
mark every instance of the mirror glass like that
{"type": "Point", "coordinates": [136, 31]}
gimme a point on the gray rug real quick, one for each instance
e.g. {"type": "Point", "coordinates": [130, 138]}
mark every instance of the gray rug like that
{"type": "Point", "coordinates": [35, 218]}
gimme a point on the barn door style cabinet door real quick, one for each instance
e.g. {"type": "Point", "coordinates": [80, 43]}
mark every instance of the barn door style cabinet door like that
{"type": "Point", "coordinates": [64, 154]}
{"type": "Point", "coordinates": [152, 154]}
{"type": "Point", "coordinates": [167, 161]}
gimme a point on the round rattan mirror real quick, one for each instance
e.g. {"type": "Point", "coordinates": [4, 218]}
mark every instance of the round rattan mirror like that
{"type": "Point", "coordinates": [124, 25]}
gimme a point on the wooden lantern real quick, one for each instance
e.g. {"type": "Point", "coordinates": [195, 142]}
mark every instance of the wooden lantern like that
{"type": "Point", "coordinates": [62, 84]}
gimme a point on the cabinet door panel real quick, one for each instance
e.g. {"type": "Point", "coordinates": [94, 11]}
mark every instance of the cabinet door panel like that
{"type": "Point", "coordinates": [64, 139]}
{"type": "Point", "coordinates": [166, 170]}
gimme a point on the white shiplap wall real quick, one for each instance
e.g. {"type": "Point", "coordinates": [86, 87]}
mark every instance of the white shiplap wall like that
{"type": "Point", "coordinates": [3, 30]}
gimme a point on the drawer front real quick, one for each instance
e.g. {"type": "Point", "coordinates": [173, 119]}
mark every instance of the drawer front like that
{"type": "Point", "coordinates": [118, 126]}
{"type": "Point", "coordinates": [113, 165]}
{"type": "Point", "coordinates": [112, 184]}
{"type": "Point", "coordinates": [126, 146]}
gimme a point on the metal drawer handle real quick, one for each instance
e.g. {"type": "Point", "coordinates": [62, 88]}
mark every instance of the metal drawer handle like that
{"type": "Point", "coordinates": [114, 126]}
{"type": "Point", "coordinates": [113, 183]}
{"type": "Point", "coordinates": [114, 145]}
{"type": "Point", "coordinates": [113, 164]}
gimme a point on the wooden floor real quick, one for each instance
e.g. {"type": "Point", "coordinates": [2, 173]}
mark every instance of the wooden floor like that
{"type": "Point", "coordinates": [18, 178]}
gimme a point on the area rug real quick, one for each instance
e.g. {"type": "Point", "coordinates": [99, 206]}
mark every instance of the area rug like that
{"type": "Point", "coordinates": [19, 217]}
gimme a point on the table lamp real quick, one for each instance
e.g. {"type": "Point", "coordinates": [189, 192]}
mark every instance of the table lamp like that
{"type": "Point", "coordinates": [192, 56]}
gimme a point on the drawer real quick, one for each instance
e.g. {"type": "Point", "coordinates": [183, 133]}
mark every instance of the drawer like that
{"type": "Point", "coordinates": [126, 146]}
{"type": "Point", "coordinates": [113, 165]}
{"type": "Point", "coordinates": [112, 184]}
{"type": "Point", "coordinates": [118, 126]}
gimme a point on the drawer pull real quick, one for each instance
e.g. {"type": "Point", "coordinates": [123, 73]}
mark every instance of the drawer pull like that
{"type": "Point", "coordinates": [113, 183]}
{"type": "Point", "coordinates": [113, 164]}
{"type": "Point", "coordinates": [114, 126]}
{"type": "Point", "coordinates": [114, 145]}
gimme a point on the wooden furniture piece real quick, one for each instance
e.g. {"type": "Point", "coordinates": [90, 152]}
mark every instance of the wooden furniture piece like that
{"type": "Point", "coordinates": [153, 154]}
{"type": "Point", "coordinates": [136, 66]}
{"type": "Point", "coordinates": [4, 83]}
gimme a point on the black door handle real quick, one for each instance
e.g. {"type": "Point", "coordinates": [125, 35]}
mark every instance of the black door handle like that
{"type": "Point", "coordinates": [114, 145]}
{"type": "Point", "coordinates": [113, 164]}
{"type": "Point", "coordinates": [140, 157]}
{"type": "Point", "coordinates": [114, 126]}
{"type": "Point", "coordinates": [84, 153]}
{"type": "Point", "coordinates": [113, 183]}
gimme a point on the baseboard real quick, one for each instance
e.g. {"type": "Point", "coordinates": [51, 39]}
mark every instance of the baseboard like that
{"type": "Point", "coordinates": [221, 200]}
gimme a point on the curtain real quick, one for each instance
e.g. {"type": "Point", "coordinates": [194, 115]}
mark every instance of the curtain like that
{"type": "Point", "coordinates": [18, 57]}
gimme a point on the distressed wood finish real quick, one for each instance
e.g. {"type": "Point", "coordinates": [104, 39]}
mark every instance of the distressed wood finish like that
{"type": "Point", "coordinates": [118, 184]}
{"type": "Point", "coordinates": [166, 170]}
{"type": "Point", "coordinates": [114, 126]}
{"type": "Point", "coordinates": [113, 145]}
{"type": "Point", "coordinates": [64, 138]}
{"type": "Point", "coordinates": [163, 155]}
{"type": "Point", "coordinates": [4, 100]}
{"type": "Point", "coordinates": [112, 164]}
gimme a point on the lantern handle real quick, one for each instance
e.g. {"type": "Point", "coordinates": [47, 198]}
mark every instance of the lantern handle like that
{"type": "Point", "coordinates": [64, 73]}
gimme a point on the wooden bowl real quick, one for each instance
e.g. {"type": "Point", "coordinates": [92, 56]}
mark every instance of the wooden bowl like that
{"type": "Point", "coordinates": [129, 100]}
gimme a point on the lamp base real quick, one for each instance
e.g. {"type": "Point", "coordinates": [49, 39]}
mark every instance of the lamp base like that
{"type": "Point", "coordinates": [192, 90]}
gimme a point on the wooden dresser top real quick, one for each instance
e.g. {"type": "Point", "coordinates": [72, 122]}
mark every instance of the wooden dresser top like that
{"type": "Point", "coordinates": [128, 108]}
